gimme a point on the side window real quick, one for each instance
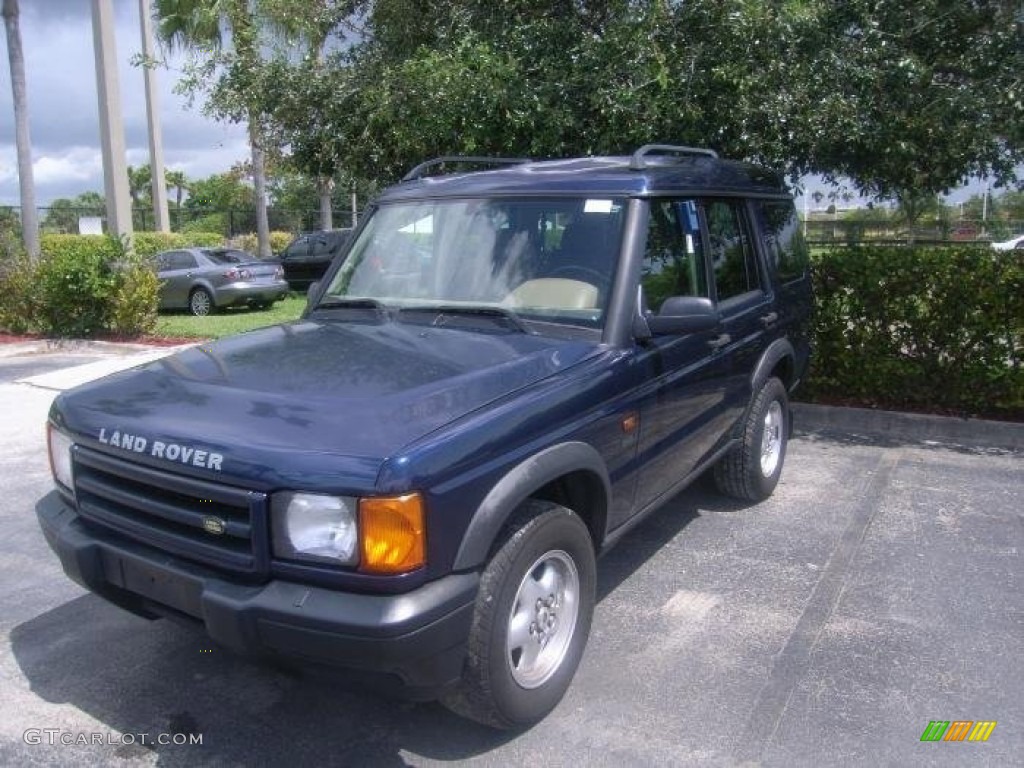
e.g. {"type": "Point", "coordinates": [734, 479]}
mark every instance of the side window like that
{"type": "Point", "coordinates": [732, 254]}
{"type": "Point", "coordinates": [674, 261]}
{"type": "Point", "coordinates": [184, 260]}
{"type": "Point", "coordinates": [787, 251]}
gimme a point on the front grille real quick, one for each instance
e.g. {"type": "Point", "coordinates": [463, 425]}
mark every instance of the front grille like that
{"type": "Point", "coordinates": [167, 511]}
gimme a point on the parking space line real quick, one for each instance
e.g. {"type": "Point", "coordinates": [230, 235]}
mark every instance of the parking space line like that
{"type": "Point", "coordinates": [791, 664]}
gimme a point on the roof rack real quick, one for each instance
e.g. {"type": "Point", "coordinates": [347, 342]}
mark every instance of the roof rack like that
{"type": "Point", "coordinates": [420, 170]}
{"type": "Point", "coordinates": [637, 163]}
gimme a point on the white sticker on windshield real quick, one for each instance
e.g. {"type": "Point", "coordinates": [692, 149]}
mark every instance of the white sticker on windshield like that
{"type": "Point", "coordinates": [597, 206]}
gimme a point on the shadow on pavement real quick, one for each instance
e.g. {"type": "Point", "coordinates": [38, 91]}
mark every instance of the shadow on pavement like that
{"type": "Point", "coordinates": [136, 676]}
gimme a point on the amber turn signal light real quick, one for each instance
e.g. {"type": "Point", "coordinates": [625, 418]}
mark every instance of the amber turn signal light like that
{"type": "Point", "coordinates": [392, 533]}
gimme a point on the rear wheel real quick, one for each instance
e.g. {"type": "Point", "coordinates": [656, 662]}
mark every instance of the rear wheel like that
{"type": "Point", "coordinates": [752, 469]}
{"type": "Point", "coordinates": [200, 302]}
{"type": "Point", "coordinates": [531, 621]}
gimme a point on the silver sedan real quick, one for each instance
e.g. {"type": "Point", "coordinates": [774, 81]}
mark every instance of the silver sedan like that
{"type": "Point", "coordinates": [203, 280]}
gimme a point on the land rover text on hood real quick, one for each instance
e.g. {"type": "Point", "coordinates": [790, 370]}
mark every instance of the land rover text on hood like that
{"type": "Point", "coordinates": [504, 371]}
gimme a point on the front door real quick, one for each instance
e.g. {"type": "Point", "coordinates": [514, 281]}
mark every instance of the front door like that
{"type": "Point", "coordinates": [683, 402]}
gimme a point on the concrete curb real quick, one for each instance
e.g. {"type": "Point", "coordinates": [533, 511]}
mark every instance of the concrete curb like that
{"type": "Point", "coordinates": [44, 346]}
{"type": "Point", "coordinates": [913, 427]}
{"type": "Point", "coordinates": [72, 376]}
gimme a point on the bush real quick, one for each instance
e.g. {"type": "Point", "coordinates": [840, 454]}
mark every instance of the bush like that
{"type": "Point", "coordinates": [75, 280]}
{"type": "Point", "coordinates": [213, 222]}
{"type": "Point", "coordinates": [134, 300]}
{"type": "Point", "coordinates": [278, 241]}
{"type": "Point", "coordinates": [18, 297]}
{"type": "Point", "coordinates": [80, 286]}
{"type": "Point", "coordinates": [925, 328]}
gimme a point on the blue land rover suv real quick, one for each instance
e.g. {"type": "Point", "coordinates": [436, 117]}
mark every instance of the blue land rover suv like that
{"type": "Point", "coordinates": [511, 365]}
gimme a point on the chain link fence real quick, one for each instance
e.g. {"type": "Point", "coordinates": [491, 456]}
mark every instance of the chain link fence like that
{"type": "Point", "coordinates": [230, 222]}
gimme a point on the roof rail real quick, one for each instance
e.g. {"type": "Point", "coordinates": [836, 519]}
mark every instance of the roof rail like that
{"type": "Point", "coordinates": [420, 170]}
{"type": "Point", "coordinates": [636, 163]}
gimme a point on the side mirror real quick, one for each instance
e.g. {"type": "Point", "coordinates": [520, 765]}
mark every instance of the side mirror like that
{"type": "Point", "coordinates": [683, 314]}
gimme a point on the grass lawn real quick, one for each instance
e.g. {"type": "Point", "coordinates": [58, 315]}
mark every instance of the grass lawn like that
{"type": "Point", "coordinates": [227, 321]}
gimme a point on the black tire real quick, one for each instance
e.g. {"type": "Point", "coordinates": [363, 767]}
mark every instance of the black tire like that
{"type": "Point", "coordinates": [261, 305]}
{"type": "Point", "coordinates": [500, 687]}
{"type": "Point", "coordinates": [741, 473]}
{"type": "Point", "coordinates": [200, 302]}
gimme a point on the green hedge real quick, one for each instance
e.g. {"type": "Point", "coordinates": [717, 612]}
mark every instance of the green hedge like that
{"type": "Point", "coordinates": [148, 244]}
{"type": "Point", "coordinates": [924, 328]}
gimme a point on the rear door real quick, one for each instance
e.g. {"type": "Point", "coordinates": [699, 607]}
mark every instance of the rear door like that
{"type": "Point", "coordinates": [743, 293]}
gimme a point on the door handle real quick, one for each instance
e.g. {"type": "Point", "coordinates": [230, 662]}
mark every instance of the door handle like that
{"type": "Point", "coordinates": [720, 342]}
{"type": "Point", "coordinates": [770, 318]}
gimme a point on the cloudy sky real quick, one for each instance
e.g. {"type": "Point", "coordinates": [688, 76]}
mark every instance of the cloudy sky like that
{"type": "Point", "coordinates": [61, 81]}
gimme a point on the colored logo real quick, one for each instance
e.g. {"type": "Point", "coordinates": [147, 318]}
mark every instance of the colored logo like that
{"type": "Point", "coordinates": [958, 730]}
{"type": "Point", "coordinates": [214, 525]}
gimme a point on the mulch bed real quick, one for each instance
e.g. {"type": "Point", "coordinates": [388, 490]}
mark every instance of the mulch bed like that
{"type": "Point", "coordinates": [995, 414]}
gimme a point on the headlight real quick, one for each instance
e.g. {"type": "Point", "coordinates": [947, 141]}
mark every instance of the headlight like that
{"type": "Point", "coordinates": [59, 446]}
{"type": "Point", "coordinates": [317, 528]}
{"type": "Point", "coordinates": [382, 535]}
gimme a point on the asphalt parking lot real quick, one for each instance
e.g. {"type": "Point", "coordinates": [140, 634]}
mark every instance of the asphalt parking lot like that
{"type": "Point", "coordinates": [878, 590]}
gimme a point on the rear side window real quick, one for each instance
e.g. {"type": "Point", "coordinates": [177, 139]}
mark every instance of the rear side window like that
{"type": "Point", "coordinates": [732, 254]}
{"type": "Point", "coordinates": [785, 247]}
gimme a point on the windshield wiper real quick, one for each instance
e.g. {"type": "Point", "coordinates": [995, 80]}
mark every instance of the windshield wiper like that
{"type": "Point", "coordinates": [341, 302]}
{"type": "Point", "coordinates": [441, 312]}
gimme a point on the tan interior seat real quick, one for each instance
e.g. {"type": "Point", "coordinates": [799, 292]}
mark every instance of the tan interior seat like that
{"type": "Point", "coordinates": [555, 292]}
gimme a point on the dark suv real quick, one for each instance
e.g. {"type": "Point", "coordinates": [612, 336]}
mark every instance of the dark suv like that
{"type": "Point", "coordinates": [507, 370]}
{"type": "Point", "coordinates": [306, 258]}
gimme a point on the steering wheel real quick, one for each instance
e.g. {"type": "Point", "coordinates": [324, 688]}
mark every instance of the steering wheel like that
{"type": "Point", "coordinates": [586, 274]}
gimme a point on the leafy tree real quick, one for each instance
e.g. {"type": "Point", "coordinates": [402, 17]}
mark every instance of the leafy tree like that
{"type": "Point", "coordinates": [224, 35]}
{"type": "Point", "coordinates": [896, 96]}
{"type": "Point", "coordinates": [1011, 207]}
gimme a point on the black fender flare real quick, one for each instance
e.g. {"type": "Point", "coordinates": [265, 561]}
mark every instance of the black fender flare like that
{"type": "Point", "coordinates": [518, 483]}
{"type": "Point", "coordinates": [776, 351]}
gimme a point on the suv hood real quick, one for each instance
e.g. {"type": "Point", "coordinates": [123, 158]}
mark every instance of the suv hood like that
{"type": "Point", "coordinates": [305, 393]}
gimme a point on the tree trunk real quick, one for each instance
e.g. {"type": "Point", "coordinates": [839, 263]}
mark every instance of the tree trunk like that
{"type": "Point", "coordinates": [29, 214]}
{"type": "Point", "coordinates": [325, 186]}
{"type": "Point", "coordinates": [259, 180]}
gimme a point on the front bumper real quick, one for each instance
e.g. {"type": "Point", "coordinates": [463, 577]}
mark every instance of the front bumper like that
{"type": "Point", "coordinates": [417, 639]}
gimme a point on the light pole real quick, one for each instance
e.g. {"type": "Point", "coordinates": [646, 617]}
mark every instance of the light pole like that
{"type": "Point", "coordinates": [115, 168]}
{"type": "Point", "coordinates": [156, 145]}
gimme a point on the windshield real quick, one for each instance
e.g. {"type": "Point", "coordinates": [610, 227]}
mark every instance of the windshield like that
{"type": "Point", "coordinates": [547, 260]}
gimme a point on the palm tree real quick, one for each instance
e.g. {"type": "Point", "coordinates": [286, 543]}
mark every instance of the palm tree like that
{"type": "Point", "coordinates": [29, 214]}
{"type": "Point", "coordinates": [206, 23]}
{"type": "Point", "coordinates": [177, 181]}
{"type": "Point", "coordinates": [139, 180]}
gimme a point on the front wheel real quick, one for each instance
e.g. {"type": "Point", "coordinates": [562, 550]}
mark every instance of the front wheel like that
{"type": "Point", "coordinates": [531, 621]}
{"type": "Point", "coordinates": [752, 469]}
